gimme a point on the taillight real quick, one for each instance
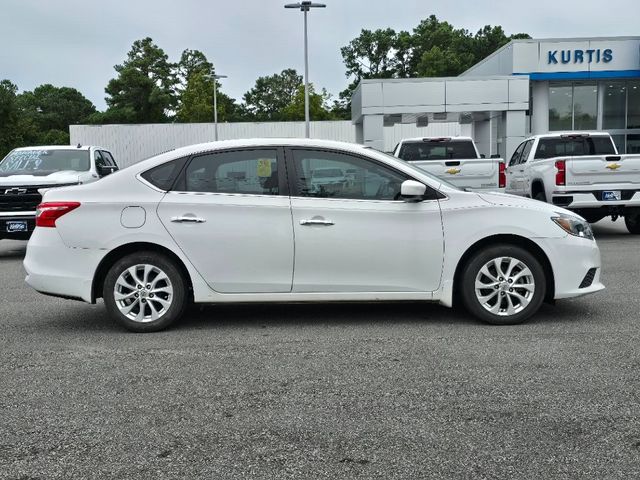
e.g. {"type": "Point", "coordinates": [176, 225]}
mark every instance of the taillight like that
{"type": "Point", "coordinates": [48, 212]}
{"type": "Point", "coordinates": [561, 177]}
{"type": "Point", "coordinates": [502, 176]}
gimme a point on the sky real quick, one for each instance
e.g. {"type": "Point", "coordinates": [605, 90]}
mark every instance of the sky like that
{"type": "Point", "coordinates": [76, 43]}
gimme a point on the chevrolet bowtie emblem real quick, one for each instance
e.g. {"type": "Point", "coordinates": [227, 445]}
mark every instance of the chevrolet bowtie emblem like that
{"type": "Point", "coordinates": [453, 171]}
{"type": "Point", "coordinates": [613, 166]}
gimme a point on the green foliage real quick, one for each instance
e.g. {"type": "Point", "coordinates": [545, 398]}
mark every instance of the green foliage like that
{"type": "Point", "coordinates": [317, 105]}
{"type": "Point", "coordinates": [50, 110]}
{"type": "Point", "coordinates": [10, 121]}
{"type": "Point", "coordinates": [271, 95]}
{"type": "Point", "coordinates": [144, 90]}
{"type": "Point", "coordinates": [434, 49]}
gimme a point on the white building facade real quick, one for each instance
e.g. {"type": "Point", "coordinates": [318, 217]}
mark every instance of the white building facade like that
{"type": "Point", "coordinates": [526, 87]}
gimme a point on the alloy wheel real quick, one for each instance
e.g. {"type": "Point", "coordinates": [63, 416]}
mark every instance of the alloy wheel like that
{"type": "Point", "coordinates": [505, 286]}
{"type": "Point", "coordinates": [143, 293]}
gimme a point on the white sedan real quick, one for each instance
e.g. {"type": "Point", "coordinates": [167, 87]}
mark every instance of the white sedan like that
{"type": "Point", "coordinates": [240, 221]}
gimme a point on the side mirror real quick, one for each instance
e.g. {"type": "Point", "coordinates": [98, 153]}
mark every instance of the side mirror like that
{"type": "Point", "coordinates": [104, 170]}
{"type": "Point", "coordinates": [412, 191]}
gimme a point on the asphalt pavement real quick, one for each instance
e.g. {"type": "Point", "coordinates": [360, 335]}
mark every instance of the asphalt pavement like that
{"type": "Point", "coordinates": [324, 391]}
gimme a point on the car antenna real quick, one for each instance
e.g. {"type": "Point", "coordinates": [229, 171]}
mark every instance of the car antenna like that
{"type": "Point", "coordinates": [79, 146]}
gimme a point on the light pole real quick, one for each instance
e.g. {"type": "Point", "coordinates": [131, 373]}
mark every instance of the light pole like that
{"type": "Point", "coordinates": [215, 103]}
{"type": "Point", "coordinates": [305, 7]}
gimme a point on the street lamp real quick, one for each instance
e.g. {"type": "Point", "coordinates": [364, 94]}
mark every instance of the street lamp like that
{"type": "Point", "coordinates": [305, 7]}
{"type": "Point", "coordinates": [215, 103]}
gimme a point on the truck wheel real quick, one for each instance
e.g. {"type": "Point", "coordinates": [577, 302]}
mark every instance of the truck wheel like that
{"type": "Point", "coordinates": [632, 221]}
{"type": "Point", "coordinates": [540, 196]}
{"type": "Point", "coordinates": [503, 285]}
{"type": "Point", "coordinates": [145, 292]}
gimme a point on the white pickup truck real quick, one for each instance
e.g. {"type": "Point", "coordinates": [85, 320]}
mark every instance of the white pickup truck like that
{"type": "Point", "coordinates": [580, 171]}
{"type": "Point", "coordinates": [454, 159]}
{"type": "Point", "coordinates": [25, 172]}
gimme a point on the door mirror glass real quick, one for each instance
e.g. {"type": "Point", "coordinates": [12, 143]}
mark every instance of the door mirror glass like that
{"type": "Point", "coordinates": [412, 191]}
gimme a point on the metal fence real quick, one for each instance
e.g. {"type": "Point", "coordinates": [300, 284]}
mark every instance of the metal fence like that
{"type": "Point", "coordinates": [133, 143]}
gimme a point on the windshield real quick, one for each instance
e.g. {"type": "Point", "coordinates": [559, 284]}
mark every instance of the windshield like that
{"type": "Point", "coordinates": [437, 150]}
{"type": "Point", "coordinates": [44, 162]}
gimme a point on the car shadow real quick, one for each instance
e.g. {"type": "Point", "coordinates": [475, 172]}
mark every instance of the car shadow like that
{"type": "Point", "coordinates": [12, 249]}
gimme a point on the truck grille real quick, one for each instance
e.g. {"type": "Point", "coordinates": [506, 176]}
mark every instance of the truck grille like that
{"type": "Point", "coordinates": [20, 199]}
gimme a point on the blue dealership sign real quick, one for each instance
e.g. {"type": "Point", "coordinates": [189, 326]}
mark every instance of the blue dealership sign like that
{"type": "Point", "coordinates": [591, 55]}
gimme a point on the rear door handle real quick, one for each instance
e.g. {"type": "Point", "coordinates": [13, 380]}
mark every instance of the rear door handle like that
{"type": "Point", "coordinates": [316, 221]}
{"type": "Point", "coordinates": [187, 219]}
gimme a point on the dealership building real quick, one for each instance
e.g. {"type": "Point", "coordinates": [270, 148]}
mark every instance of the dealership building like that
{"type": "Point", "coordinates": [526, 87]}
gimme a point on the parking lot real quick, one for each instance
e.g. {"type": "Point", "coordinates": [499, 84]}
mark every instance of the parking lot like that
{"type": "Point", "coordinates": [324, 391]}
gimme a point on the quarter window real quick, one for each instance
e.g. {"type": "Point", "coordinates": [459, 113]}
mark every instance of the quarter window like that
{"type": "Point", "coordinates": [325, 174]}
{"type": "Point", "coordinates": [245, 172]}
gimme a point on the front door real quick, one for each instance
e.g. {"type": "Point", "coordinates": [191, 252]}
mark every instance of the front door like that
{"type": "Point", "coordinates": [231, 216]}
{"type": "Point", "coordinates": [353, 232]}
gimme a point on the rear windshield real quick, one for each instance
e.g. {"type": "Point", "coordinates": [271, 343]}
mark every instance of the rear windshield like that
{"type": "Point", "coordinates": [44, 162]}
{"type": "Point", "coordinates": [437, 150]}
{"type": "Point", "coordinates": [558, 147]}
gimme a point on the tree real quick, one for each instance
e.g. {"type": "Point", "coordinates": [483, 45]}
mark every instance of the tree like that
{"type": "Point", "coordinates": [195, 103]}
{"type": "Point", "coordinates": [52, 109]}
{"type": "Point", "coordinates": [11, 124]}
{"type": "Point", "coordinates": [271, 95]}
{"type": "Point", "coordinates": [144, 90]}
{"type": "Point", "coordinates": [318, 109]}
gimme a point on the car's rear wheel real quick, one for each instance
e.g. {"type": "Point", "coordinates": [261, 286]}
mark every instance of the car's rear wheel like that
{"type": "Point", "coordinates": [632, 221]}
{"type": "Point", "coordinates": [503, 285]}
{"type": "Point", "coordinates": [541, 197]}
{"type": "Point", "coordinates": [145, 292]}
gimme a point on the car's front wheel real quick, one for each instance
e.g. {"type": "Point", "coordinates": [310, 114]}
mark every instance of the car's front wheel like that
{"type": "Point", "coordinates": [503, 285]}
{"type": "Point", "coordinates": [145, 292]}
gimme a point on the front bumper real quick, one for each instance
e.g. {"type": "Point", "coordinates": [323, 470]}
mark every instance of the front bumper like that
{"type": "Point", "coordinates": [55, 269]}
{"type": "Point", "coordinates": [571, 259]}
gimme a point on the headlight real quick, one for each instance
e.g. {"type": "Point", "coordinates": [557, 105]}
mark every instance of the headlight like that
{"type": "Point", "coordinates": [574, 226]}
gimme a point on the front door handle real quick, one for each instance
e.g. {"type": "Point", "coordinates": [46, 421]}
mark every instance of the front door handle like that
{"type": "Point", "coordinates": [187, 219]}
{"type": "Point", "coordinates": [316, 221]}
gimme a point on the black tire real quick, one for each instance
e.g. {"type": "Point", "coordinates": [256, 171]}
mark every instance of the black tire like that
{"type": "Point", "coordinates": [472, 269]}
{"type": "Point", "coordinates": [177, 300]}
{"type": "Point", "coordinates": [541, 197]}
{"type": "Point", "coordinates": [632, 221]}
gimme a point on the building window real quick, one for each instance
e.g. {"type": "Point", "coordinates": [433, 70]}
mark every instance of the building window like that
{"type": "Point", "coordinates": [633, 104]}
{"type": "Point", "coordinates": [615, 101]}
{"type": "Point", "coordinates": [633, 143]}
{"type": "Point", "coordinates": [573, 106]}
{"type": "Point", "coordinates": [560, 107]}
{"type": "Point", "coordinates": [585, 106]}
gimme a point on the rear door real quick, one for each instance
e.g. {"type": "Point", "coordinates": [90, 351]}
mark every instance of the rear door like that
{"type": "Point", "coordinates": [361, 236]}
{"type": "Point", "coordinates": [230, 214]}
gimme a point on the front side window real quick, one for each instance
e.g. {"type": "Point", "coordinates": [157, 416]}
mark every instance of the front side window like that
{"type": "Point", "coordinates": [526, 151]}
{"type": "Point", "coordinates": [44, 162]}
{"type": "Point", "coordinates": [515, 158]}
{"type": "Point", "coordinates": [245, 172]}
{"type": "Point", "coordinates": [326, 174]}
{"type": "Point", "coordinates": [100, 162]}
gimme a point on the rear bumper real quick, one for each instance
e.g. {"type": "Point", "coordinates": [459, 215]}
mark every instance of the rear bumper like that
{"type": "Point", "coordinates": [55, 269]}
{"type": "Point", "coordinates": [575, 200]}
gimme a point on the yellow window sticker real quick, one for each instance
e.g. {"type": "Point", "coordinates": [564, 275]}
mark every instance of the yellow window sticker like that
{"type": "Point", "coordinates": [264, 167]}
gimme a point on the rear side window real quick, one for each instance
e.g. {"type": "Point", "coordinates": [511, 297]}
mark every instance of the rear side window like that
{"type": "Point", "coordinates": [437, 150]}
{"type": "Point", "coordinates": [165, 175]}
{"type": "Point", "coordinates": [557, 147]}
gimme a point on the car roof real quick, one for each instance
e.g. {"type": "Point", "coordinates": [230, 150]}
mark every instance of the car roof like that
{"type": "Point", "coordinates": [421, 139]}
{"type": "Point", "coordinates": [570, 132]}
{"type": "Point", "coordinates": [59, 147]}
